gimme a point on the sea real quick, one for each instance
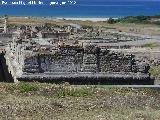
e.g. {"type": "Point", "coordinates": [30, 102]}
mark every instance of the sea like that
{"type": "Point", "coordinates": [81, 8]}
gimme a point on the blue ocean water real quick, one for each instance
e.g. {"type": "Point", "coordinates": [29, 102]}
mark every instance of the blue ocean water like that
{"type": "Point", "coordinates": [84, 8]}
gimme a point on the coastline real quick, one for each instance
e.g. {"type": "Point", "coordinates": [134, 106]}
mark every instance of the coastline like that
{"type": "Point", "coordinates": [92, 19]}
{"type": "Point", "coordinates": [84, 19]}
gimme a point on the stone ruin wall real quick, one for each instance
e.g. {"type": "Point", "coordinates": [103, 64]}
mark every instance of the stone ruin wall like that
{"type": "Point", "coordinates": [90, 59]}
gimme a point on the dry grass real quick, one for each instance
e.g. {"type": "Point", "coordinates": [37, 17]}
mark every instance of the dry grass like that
{"type": "Point", "coordinates": [44, 102]}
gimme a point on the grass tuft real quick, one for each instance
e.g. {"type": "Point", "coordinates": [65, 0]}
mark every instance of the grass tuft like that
{"type": "Point", "coordinates": [155, 71]}
{"type": "Point", "coordinates": [23, 87]}
{"type": "Point", "coordinates": [26, 87]}
{"type": "Point", "coordinates": [149, 45]}
{"type": "Point", "coordinates": [74, 92]}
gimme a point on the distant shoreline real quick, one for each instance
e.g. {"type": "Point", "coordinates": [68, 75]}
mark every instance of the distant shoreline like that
{"type": "Point", "coordinates": [93, 19]}
{"type": "Point", "coordinates": [84, 19]}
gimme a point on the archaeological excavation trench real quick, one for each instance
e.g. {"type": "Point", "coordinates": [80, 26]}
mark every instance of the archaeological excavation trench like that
{"type": "Point", "coordinates": [76, 78]}
{"type": "Point", "coordinates": [81, 66]}
{"type": "Point", "coordinates": [75, 65]}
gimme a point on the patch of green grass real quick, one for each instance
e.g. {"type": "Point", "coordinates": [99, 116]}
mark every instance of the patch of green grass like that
{"type": "Point", "coordinates": [11, 87]}
{"type": "Point", "coordinates": [23, 87]}
{"type": "Point", "coordinates": [149, 45]}
{"type": "Point", "coordinates": [74, 92]}
{"type": "Point", "coordinates": [26, 87]}
{"type": "Point", "coordinates": [155, 71]}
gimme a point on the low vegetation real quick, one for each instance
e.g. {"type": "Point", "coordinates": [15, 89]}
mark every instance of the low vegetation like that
{"type": "Point", "coordinates": [23, 87]}
{"type": "Point", "coordinates": [155, 71]}
{"type": "Point", "coordinates": [75, 92]}
{"type": "Point", "coordinates": [131, 19]}
{"type": "Point", "coordinates": [149, 45]}
{"type": "Point", "coordinates": [135, 19]}
{"type": "Point", "coordinates": [66, 102]}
